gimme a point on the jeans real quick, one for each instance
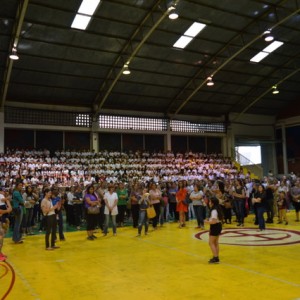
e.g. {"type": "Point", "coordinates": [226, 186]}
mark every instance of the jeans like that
{"type": "Point", "coordinates": [143, 220]}
{"type": "Point", "coordinates": [60, 225]}
{"type": "Point", "coordinates": [50, 229]}
{"type": "Point", "coordinates": [18, 221]}
{"type": "Point", "coordinates": [114, 223]}
{"type": "Point", "coordinates": [260, 217]}
{"type": "Point", "coordinates": [240, 210]}
{"type": "Point", "coordinates": [198, 209]}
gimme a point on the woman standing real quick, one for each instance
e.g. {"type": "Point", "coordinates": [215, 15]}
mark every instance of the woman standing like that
{"type": "Point", "coordinates": [91, 200]}
{"type": "Point", "coordinates": [197, 200]}
{"type": "Point", "coordinates": [155, 198]}
{"type": "Point", "coordinates": [29, 204]}
{"type": "Point", "coordinates": [144, 203]}
{"type": "Point", "coordinates": [259, 202]}
{"type": "Point", "coordinates": [239, 196]}
{"type": "Point", "coordinates": [111, 208]}
{"type": "Point", "coordinates": [5, 209]}
{"type": "Point", "coordinates": [215, 221]}
{"type": "Point", "coordinates": [135, 196]}
{"type": "Point", "coordinates": [48, 210]}
{"type": "Point", "coordinates": [182, 208]}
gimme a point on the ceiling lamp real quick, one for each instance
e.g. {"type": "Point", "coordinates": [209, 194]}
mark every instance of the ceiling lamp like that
{"type": "Point", "coordinates": [268, 36]}
{"type": "Point", "coordinates": [14, 54]}
{"type": "Point", "coordinates": [210, 81]}
{"type": "Point", "coordinates": [126, 70]}
{"type": "Point", "coordinates": [173, 14]}
{"type": "Point", "coordinates": [275, 90]}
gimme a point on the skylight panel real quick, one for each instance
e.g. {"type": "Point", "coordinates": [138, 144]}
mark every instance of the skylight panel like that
{"type": "Point", "coordinates": [182, 42]}
{"type": "Point", "coordinates": [259, 56]}
{"type": "Point", "coordinates": [85, 13]}
{"type": "Point", "coordinates": [88, 7]}
{"type": "Point", "coordinates": [266, 51]}
{"type": "Point", "coordinates": [81, 22]}
{"type": "Point", "coordinates": [194, 29]}
{"type": "Point", "coordinates": [272, 47]}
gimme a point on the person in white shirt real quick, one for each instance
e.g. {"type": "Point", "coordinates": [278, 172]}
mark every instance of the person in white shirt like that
{"type": "Point", "coordinates": [111, 208]}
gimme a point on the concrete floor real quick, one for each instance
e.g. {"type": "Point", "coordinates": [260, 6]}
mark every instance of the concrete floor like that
{"type": "Point", "coordinates": [169, 263]}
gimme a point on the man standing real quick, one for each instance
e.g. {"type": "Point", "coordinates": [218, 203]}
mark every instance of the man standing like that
{"type": "Point", "coordinates": [18, 205]}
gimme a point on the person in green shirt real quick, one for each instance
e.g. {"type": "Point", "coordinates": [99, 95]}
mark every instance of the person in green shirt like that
{"type": "Point", "coordinates": [18, 208]}
{"type": "Point", "coordinates": [122, 193]}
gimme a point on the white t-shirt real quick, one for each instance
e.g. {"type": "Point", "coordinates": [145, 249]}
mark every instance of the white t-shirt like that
{"type": "Point", "coordinates": [214, 215]}
{"type": "Point", "coordinates": [1, 199]}
{"type": "Point", "coordinates": [111, 198]}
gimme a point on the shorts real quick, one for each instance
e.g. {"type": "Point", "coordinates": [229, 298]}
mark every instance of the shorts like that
{"type": "Point", "coordinates": [215, 229]}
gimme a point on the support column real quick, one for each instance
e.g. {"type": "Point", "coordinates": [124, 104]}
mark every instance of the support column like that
{"type": "Point", "coordinates": [1, 132]}
{"type": "Point", "coordinates": [94, 137]}
{"type": "Point", "coordinates": [285, 161]}
{"type": "Point", "coordinates": [168, 143]}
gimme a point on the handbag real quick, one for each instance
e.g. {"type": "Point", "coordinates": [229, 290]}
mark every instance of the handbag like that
{"type": "Point", "coordinates": [187, 199]}
{"type": "Point", "coordinates": [151, 212]}
{"type": "Point", "coordinates": [93, 210]}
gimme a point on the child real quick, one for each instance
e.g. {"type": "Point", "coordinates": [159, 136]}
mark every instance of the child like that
{"type": "Point", "coordinates": [282, 208]}
{"type": "Point", "coordinates": [215, 221]}
{"type": "Point", "coordinates": [144, 203]}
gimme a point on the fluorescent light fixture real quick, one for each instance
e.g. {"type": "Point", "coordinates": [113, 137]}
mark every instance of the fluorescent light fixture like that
{"type": "Point", "coordinates": [272, 47]}
{"type": "Point", "coordinates": [275, 90]}
{"type": "Point", "coordinates": [173, 15]}
{"type": "Point", "coordinates": [268, 36]}
{"type": "Point", "coordinates": [81, 22]}
{"type": "Point", "coordinates": [88, 7]}
{"type": "Point", "coordinates": [195, 29]}
{"type": "Point", "coordinates": [14, 54]}
{"type": "Point", "coordinates": [182, 42]}
{"type": "Point", "coordinates": [259, 56]}
{"type": "Point", "coordinates": [269, 49]}
{"type": "Point", "coordinates": [126, 70]}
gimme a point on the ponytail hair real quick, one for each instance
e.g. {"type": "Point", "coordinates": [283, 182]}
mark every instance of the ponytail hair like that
{"type": "Point", "coordinates": [215, 205]}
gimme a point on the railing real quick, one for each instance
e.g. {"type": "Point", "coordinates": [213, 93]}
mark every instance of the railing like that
{"type": "Point", "coordinates": [247, 164]}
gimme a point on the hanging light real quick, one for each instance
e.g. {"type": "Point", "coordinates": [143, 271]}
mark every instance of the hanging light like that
{"type": "Point", "coordinates": [126, 70]}
{"type": "Point", "coordinates": [268, 36]}
{"type": "Point", "coordinates": [275, 90]}
{"type": "Point", "coordinates": [173, 14]}
{"type": "Point", "coordinates": [210, 81]}
{"type": "Point", "coordinates": [14, 54]}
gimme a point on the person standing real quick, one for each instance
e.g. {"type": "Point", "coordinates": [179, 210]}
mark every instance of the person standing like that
{"type": "Point", "coordinates": [48, 210]}
{"type": "Point", "coordinates": [111, 209]}
{"type": "Point", "coordinates": [91, 200]}
{"type": "Point", "coordinates": [259, 202]}
{"type": "Point", "coordinates": [215, 221]}
{"type": "Point", "coordinates": [239, 196]}
{"type": "Point", "coordinates": [182, 208]}
{"type": "Point", "coordinates": [4, 209]}
{"type": "Point", "coordinates": [56, 198]}
{"type": "Point", "coordinates": [18, 209]}
{"type": "Point", "coordinates": [197, 200]}
{"type": "Point", "coordinates": [144, 203]}
{"type": "Point", "coordinates": [155, 198]}
{"type": "Point", "coordinates": [295, 194]}
{"type": "Point", "coordinates": [122, 193]}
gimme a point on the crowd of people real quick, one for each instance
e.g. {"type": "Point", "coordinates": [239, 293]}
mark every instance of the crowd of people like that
{"type": "Point", "coordinates": [93, 189]}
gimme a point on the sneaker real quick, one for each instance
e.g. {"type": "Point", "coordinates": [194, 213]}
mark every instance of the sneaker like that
{"type": "Point", "coordinates": [214, 260]}
{"type": "Point", "coordinates": [3, 255]}
{"type": "Point", "coordinates": [114, 234]}
{"type": "Point", "coordinates": [93, 236]}
{"type": "Point", "coordinates": [49, 249]}
{"type": "Point", "coordinates": [90, 238]}
{"type": "Point", "coordinates": [55, 247]}
{"type": "Point", "coordinates": [19, 242]}
{"type": "Point", "coordinates": [138, 235]}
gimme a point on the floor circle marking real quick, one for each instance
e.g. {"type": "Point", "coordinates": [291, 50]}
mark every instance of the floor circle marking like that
{"type": "Point", "coordinates": [253, 237]}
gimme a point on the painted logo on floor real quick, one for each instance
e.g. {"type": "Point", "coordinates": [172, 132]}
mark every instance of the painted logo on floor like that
{"type": "Point", "coordinates": [253, 237]}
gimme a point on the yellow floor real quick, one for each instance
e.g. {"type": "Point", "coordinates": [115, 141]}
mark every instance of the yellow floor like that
{"type": "Point", "coordinates": [169, 263]}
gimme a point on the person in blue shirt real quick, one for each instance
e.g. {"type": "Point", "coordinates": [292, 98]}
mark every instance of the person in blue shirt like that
{"type": "Point", "coordinates": [18, 208]}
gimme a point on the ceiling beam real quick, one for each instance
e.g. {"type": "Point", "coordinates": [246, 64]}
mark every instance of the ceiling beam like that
{"type": "Point", "coordinates": [21, 10]}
